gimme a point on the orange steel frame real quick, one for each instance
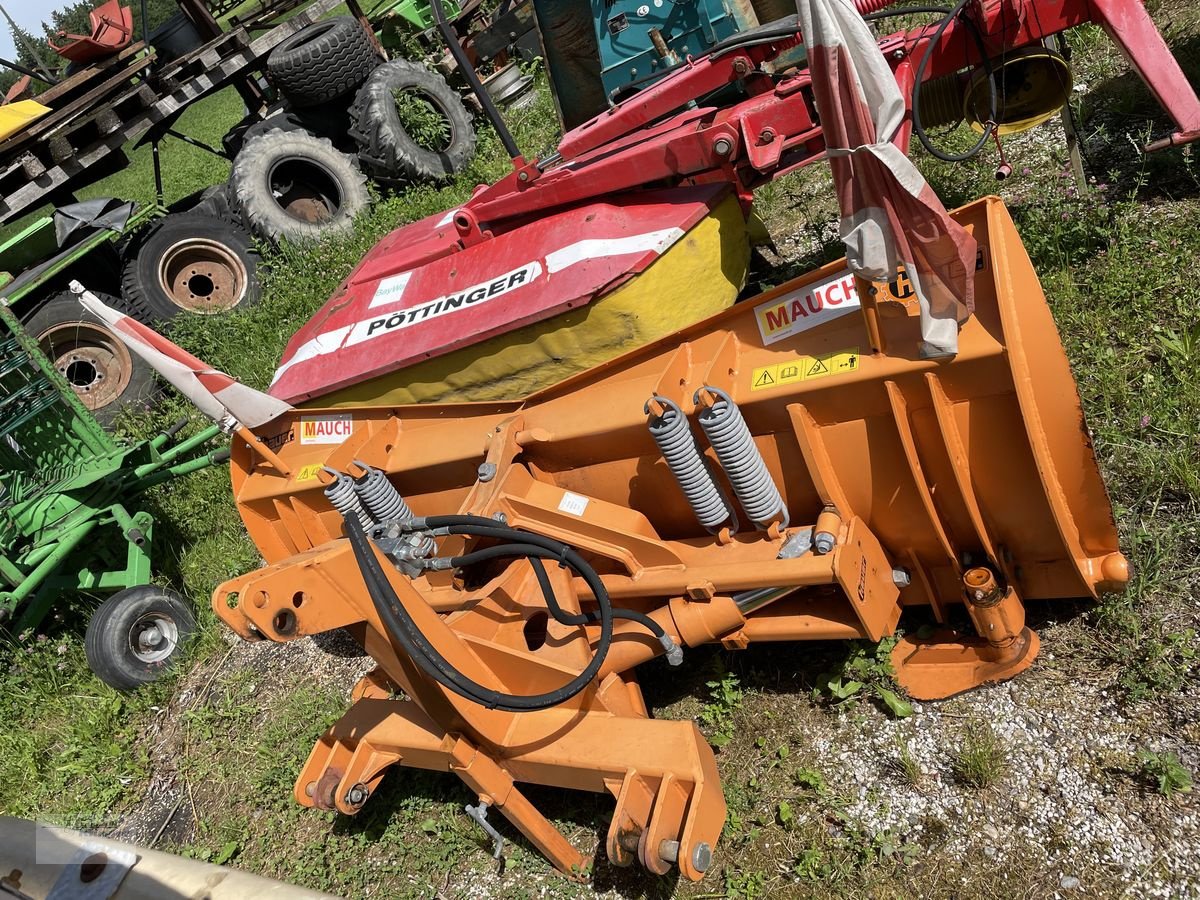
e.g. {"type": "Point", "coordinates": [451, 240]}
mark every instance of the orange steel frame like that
{"type": "Point", "coordinates": [948, 483]}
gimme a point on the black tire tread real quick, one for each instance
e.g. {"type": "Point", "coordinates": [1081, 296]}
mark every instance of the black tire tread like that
{"type": "Point", "coordinates": [384, 149]}
{"type": "Point", "coordinates": [99, 642]}
{"type": "Point", "coordinates": [246, 195]}
{"type": "Point", "coordinates": [329, 65]}
{"type": "Point", "coordinates": [133, 296]}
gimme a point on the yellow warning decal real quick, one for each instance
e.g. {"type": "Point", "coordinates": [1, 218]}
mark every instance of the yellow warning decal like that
{"type": "Point", "coordinates": [805, 368]}
{"type": "Point", "coordinates": [308, 473]}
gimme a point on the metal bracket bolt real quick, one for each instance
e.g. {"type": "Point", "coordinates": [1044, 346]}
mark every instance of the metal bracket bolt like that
{"type": "Point", "coordinates": [701, 854]}
{"type": "Point", "coordinates": [357, 795]}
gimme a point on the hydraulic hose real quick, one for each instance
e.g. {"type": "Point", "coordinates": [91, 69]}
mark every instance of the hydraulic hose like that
{"type": "Point", "coordinates": [918, 129]}
{"type": "Point", "coordinates": [404, 630]}
{"type": "Point", "coordinates": [525, 544]}
{"type": "Point", "coordinates": [589, 618]}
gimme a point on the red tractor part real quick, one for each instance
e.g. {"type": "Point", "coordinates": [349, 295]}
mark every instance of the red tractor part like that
{"type": "Point", "coordinates": [112, 30]}
{"type": "Point", "coordinates": [655, 140]}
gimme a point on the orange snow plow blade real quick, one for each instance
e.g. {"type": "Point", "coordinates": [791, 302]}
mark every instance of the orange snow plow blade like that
{"type": "Point", "coordinates": [789, 469]}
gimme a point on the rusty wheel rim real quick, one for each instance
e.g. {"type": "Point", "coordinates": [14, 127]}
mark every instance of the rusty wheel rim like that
{"type": "Point", "coordinates": [92, 359]}
{"type": "Point", "coordinates": [202, 276]}
{"type": "Point", "coordinates": [305, 190]}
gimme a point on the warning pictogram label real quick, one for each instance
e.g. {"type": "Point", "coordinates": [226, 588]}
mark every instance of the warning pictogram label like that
{"type": "Point", "coordinates": [805, 368]}
{"type": "Point", "coordinates": [309, 473]}
{"type": "Point", "coordinates": [765, 378]}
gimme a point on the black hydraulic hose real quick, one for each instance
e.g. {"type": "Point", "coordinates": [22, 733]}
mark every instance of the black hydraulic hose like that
{"type": "Point", "coordinates": [532, 552]}
{"type": "Point", "coordinates": [477, 88]}
{"type": "Point", "coordinates": [490, 528]}
{"type": "Point", "coordinates": [405, 631]}
{"type": "Point", "coordinates": [587, 618]}
{"type": "Point", "coordinates": [918, 129]}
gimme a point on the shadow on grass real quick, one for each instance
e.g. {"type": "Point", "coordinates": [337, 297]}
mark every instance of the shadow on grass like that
{"type": "Point", "coordinates": [1120, 115]}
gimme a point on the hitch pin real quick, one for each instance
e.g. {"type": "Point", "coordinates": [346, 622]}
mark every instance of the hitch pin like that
{"type": "Point", "coordinates": [479, 814]}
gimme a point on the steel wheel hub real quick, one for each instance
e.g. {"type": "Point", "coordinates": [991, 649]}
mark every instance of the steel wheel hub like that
{"type": "Point", "coordinates": [203, 276]}
{"type": "Point", "coordinates": [93, 360]}
{"type": "Point", "coordinates": [153, 637]}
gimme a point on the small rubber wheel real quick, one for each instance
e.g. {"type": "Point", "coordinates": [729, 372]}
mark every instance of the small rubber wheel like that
{"type": "Point", "coordinates": [105, 375]}
{"type": "Point", "coordinates": [323, 61]}
{"type": "Point", "coordinates": [193, 262]}
{"type": "Point", "coordinates": [296, 186]}
{"type": "Point", "coordinates": [410, 125]}
{"type": "Point", "coordinates": [136, 634]}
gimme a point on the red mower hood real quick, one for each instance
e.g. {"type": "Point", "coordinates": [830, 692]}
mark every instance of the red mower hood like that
{"type": "Point", "coordinates": [420, 292]}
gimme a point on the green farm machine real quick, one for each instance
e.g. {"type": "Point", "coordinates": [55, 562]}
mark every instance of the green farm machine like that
{"type": "Point", "coordinates": [70, 521]}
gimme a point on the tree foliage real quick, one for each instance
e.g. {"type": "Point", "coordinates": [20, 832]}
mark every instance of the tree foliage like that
{"type": "Point", "coordinates": [72, 18]}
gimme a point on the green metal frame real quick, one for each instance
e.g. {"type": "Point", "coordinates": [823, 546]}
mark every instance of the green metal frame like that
{"type": "Point", "coordinates": [30, 259]}
{"type": "Point", "coordinates": [66, 487]}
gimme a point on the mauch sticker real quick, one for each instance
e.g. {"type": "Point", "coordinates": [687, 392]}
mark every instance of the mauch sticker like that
{"type": "Point", "coordinates": [331, 429]}
{"type": "Point", "coordinates": [806, 307]}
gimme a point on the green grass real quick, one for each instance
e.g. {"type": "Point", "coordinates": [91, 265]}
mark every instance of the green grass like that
{"type": "Point", "coordinates": [980, 760]}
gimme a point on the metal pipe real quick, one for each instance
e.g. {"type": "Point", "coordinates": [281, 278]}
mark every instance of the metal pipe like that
{"type": "Point", "coordinates": [17, 67]}
{"type": "Point", "coordinates": [184, 447]}
{"type": "Point", "coordinates": [64, 549]}
{"type": "Point", "coordinates": [804, 619]}
{"type": "Point", "coordinates": [804, 571]}
{"type": "Point", "coordinates": [177, 471]}
{"type": "Point", "coordinates": [477, 88]}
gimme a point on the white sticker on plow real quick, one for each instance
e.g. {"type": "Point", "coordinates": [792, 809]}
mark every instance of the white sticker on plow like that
{"type": "Point", "coordinates": [806, 307]}
{"type": "Point", "coordinates": [390, 289]}
{"type": "Point", "coordinates": [326, 429]}
{"type": "Point", "coordinates": [574, 504]}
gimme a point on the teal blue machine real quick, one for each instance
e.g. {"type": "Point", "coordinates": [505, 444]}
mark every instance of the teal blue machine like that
{"type": "Point", "coordinates": [599, 51]}
{"type": "Point", "coordinates": [639, 39]}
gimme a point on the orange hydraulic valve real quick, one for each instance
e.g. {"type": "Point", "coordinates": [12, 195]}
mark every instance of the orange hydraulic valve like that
{"type": "Point", "coordinates": [759, 476]}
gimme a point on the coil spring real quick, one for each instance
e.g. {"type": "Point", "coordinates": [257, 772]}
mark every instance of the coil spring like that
{"type": "Point", "coordinates": [739, 457]}
{"type": "Point", "coordinates": [678, 447]}
{"type": "Point", "coordinates": [344, 498]}
{"type": "Point", "coordinates": [379, 496]}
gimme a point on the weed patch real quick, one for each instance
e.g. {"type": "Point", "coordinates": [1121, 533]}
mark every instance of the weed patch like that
{"type": "Point", "coordinates": [866, 672]}
{"type": "Point", "coordinates": [981, 760]}
{"type": "Point", "coordinates": [1166, 772]}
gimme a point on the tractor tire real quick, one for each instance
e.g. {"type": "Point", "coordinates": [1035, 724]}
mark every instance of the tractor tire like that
{"type": "Point", "coordinates": [323, 61]}
{"type": "Point", "coordinates": [194, 262]}
{"type": "Point", "coordinates": [385, 148]}
{"type": "Point", "coordinates": [135, 635]}
{"type": "Point", "coordinates": [214, 201]}
{"type": "Point", "coordinates": [106, 376]}
{"type": "Point", "coordinates": [293, 185]}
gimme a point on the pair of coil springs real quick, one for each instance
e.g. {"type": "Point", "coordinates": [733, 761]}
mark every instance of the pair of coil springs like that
{"type": "Point", "coordinates": [730, 438]}
{"type": "Point", "coordinates": [371, 497]}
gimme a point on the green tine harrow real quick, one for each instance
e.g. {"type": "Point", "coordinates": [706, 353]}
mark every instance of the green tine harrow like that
{"type": "Point", "coordinates": [68, 517]}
